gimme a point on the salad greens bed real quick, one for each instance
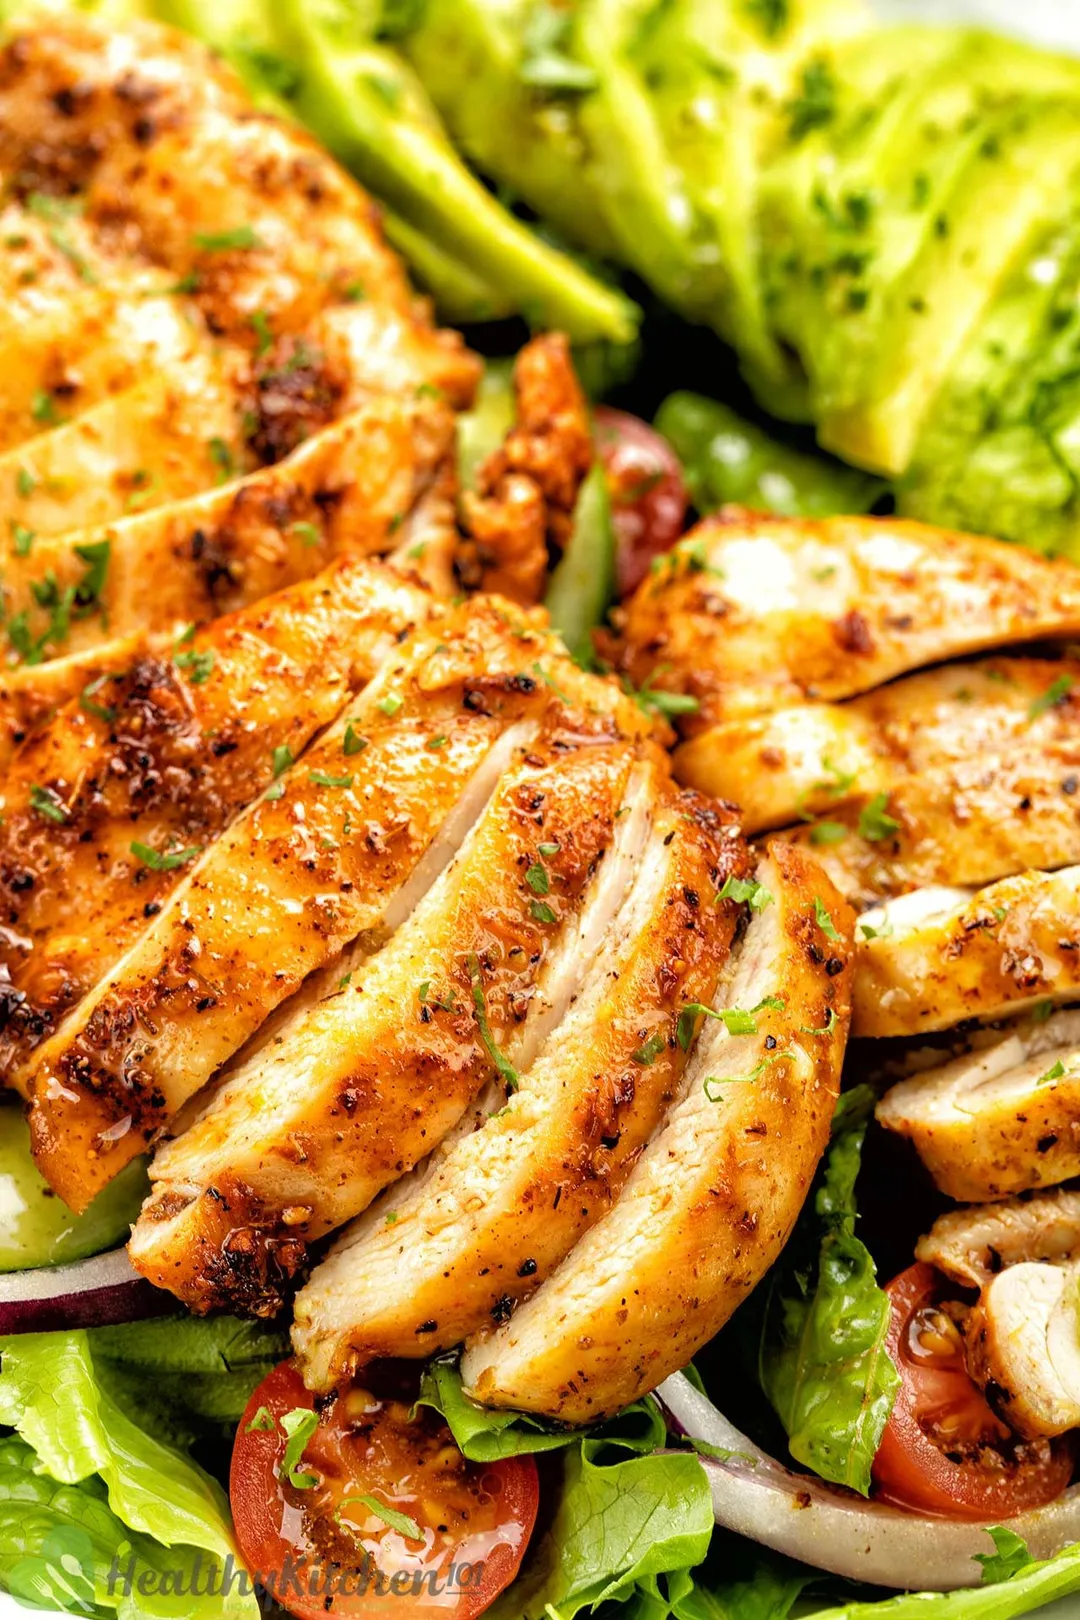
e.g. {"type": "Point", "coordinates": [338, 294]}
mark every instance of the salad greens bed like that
{"type": "Point", "coordinates": [111, 1438]}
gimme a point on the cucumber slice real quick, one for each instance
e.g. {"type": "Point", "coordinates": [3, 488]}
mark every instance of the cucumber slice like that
{"type": "Point", "coordinates": [583, 584]}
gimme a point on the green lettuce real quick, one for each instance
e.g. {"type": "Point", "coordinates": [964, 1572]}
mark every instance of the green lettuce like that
{"type": "Point", "coordinates": [1032, 1586]}
{"type": "Point", "coordinates": [823, 1362]}
{"type": "Point", "coordinates": [107, 1484]}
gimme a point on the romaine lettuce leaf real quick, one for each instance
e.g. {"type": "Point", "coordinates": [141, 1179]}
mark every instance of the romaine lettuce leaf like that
{"type": "Point", "coordinates": [823, 1362]}
{"type": "Point", "coordinates": [166, 1509]}
{"type": "Point", "coordinates": [1026, 1591]}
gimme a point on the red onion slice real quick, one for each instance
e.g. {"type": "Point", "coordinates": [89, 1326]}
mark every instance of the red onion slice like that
{"type": "Point", "coordinates": [91, 1293]}
{"type": "Point", "coordinates": [838, 1531]}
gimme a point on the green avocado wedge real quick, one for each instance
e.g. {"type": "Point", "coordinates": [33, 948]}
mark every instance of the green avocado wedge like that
{"type": "Point", "coordinates": [364, 101]}
{"type": "Point", "coordinates": [36, 1228]}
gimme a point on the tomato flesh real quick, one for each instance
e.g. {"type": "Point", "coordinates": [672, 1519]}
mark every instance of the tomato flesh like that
{"type": "Point", "coordinates": [648, 495]}
{"type": "Point", "coordinates": [454, 1532]}
{"type": "Point", "coordinates": [945, 1450]}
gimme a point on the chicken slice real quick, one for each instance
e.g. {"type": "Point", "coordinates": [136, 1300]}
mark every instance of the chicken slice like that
{"type": "Point", "coordinates": [345, 845]}
{"type": "Point", "coordinates": [969, 823]}
{"type": "Point", "coordinates": [494, 1211]}
{"type": "Point", "coordinates": [352, 488]}
{"type": "Point", "coordinates": [811, 758]}
{"type": "Point", "coordinates": [173, 164]}
{"type": "Point", "coordinates": [750, 614]}
{"type": "Point", "coordinates": [33, 693]}
{"type": "Point", "coordinates": [971, 1246]}
{"type": "Point", "coordinates": [1001, 1119]}
{"type": "Point", "coordinates": [163, 755]}
{"type": "Point", "coordinates": [939, 956]}
{"type": "Point", "coordinates": [355, 1091]}
{"type": "Point", "coordinates": [1023, 1346]}
{"type": "Point", "coordinates": [520, 514]}
{"type": "Point", "coordinates": [714, 1194]}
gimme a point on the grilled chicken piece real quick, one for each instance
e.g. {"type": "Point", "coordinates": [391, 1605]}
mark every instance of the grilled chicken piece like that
{"type": "Point", "coordinates": [751, 613]}
{"type": "Point", "coordinates": [1000, 1120]}
{"type": "Point", "coordinates": [714, 1194]}
{"type": "Point", "coordinates": [939, 956]}
{"type": "Point", "coordinates": [346, 843]}
{"type": "Point", "coordinates": [811, 758]}
{"type": "Point", "coordinates": [971, 1246]}
{"type": "Point", "coordinates": [31, 695]}
{"type": "Point", "coordinates": [1021, 1342]}
{"type": "Point", "coordinates": [966, 824]}
{"type": "Point", "coordinates": [354, 487]}
{"type": "Point", "coordinates": [163, 755]}
{"type": "Point", "coordinates": [520, 513]}
{"type": "Point", "coordinates": [171, 163]}
{"type": "Point", "coordinates": [493, 1212]}
{"type": "Point", "coordinates": [353, 1092]}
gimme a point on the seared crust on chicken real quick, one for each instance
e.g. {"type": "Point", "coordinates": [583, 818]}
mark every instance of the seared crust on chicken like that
{"type": "Point", "coordinates": [354, 1091]}
{"type": "Point", "coordinates": [349, 838]}
{"type": "Point", "coordinates": [494, 1210]}
{"type": "Point", "coordinates": [812, 759]}
{"type": "Point", "coordinates": [973, 1245]}
{"type": "Point", "coordinates": [750, 614]}
{"type": "Point", "coordinates": [163, 753]}
{"type": "Point", "coordinates": [1001, 1119]}
{"type": "Point", "coordinates": [938, 957]}
{"type": "Point", "coordinates": [519, 516]}
{"type": "Point", "coordinates": [707, 1207]}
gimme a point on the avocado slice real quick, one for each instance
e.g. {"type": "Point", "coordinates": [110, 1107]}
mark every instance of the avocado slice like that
{"type": "Point", "coordinates": [998, 202]}
{"type": "Point", "coordinates": [999, 449]}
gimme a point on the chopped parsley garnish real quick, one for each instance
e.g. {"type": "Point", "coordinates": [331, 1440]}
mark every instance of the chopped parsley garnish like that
{"type": "Point", "coordinates": [503, 1066]}
{"type": "Point", "coordinates": [541, 911]}
{"type": "Point", "coordinates": [264, 335]}
{"type": "Point", "coordinates": [436, 743]}
{"type": "Point", "coordinates": [299, 1426]}
{"type": "Point", "coordinates": [825, 922]}
{"type": "Point", "coordinates": [548, 850]}
{"type": "Point", "coordinates": [353, 742]}
{"type": "Point", "coordinates": [261, 1423]}
{"type": "Point", "coordinates": [390, 705]}
{"type": "Point", "coordinates": [746, 890]}
{"type": "Point", "coordinates": [648, 1053]}
{"type": "Point", "coordinates": [157, 862]}
{"type": "Point", "coordinates": [46, 803]}
{"type": "Point", "coordinates": [874, 823]}
{"type": "Point", "coordinates": [43, 408]}
{"type": "Point", "coordinates": [282, 758]}
{"type": "Point", "coordinates": [736, 1020]}
{"type": "Point", "coordinates": [309, 533]}
{"type": "Point", "coordinates": [397, 1521]}
{"type": "Point", "coordinates": [25, 483]}
{"type": "Point", "coordinates": [1054, 694]}
{"type": "Point", "coordinates": [324, 779]}
{"type": "Point", "coordinates": [1054, 1072]}
{"type": "Point", "coordinates": [198, 661]}
{"type": "Point", "coordinates": [225, 241]}
{"type": "Point", "coordinates": [740, 1079]}
{"type": "Point", "coordinates": [223, 459]}
{"type": "Point", "coordinates": [828, 832]}
{"type": "Point", "coordinates": [884, 930]}
{"type": "Point", "coordinates": [103, 711]}
{"type": "Point", "coordinates": [354, 293]}
{"type": "Point", "coordinates": [537, 879]}
{"type": "Point", "coordinates": [827, 1027]}
{"type": "Point", "coordinates": [22, 538]}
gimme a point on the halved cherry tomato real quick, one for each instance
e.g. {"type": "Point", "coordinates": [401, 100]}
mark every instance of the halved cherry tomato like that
{"type": "Point", "coordinates": [380, 1505]}
{"type": "Point", "coordinates": [648, 495]}
{"type": "Point", "coordinates": [944, 1449]}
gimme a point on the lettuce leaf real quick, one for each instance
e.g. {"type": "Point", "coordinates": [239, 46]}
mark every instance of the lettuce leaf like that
{"type": "Point", "coordinates": [1028, 1589]}
{"type": "Point", "coordinates": [823, 1362]}
{"type": "Point", "coordinates": [162, 1508]}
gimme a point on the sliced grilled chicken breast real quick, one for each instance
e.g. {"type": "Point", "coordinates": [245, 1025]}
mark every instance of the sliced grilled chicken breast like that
{"type": "Point", "coordinates": [938, 957]}
{"type": "Point", "coordinates": [32, 693]}
{"type": "Point", "coordinates": [1000, 1120]}
{"type": "Point", "coordinates": [751, 613]}
{"type": "Point", "coordinates": [355, 1091]}
{"type": "Point", "coordinates": [172, 164]}
{"type": "Point", "coordinates": [973, 1245]}
{"type": "Point", "coordinates": [811, 758]}
{"type": "Point", "coordinates": [351, 488]}
{"type": "Point", "coordinates": [162, 755]}
{"type": "Point", "coordinates": [493, 1212]}
{"type": "Point", "coordinates": [344, 844]}
{"type": "Point", "coordinates": [714, 1194]}
{"type": "Point", "coordinates": [969, 823]}
{"type": "Point", "coordinates": [1023, 1346]}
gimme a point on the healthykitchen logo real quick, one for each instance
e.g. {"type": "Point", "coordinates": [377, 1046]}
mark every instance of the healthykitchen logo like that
{"type": "Point", "coordinates": [65, 1575]}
